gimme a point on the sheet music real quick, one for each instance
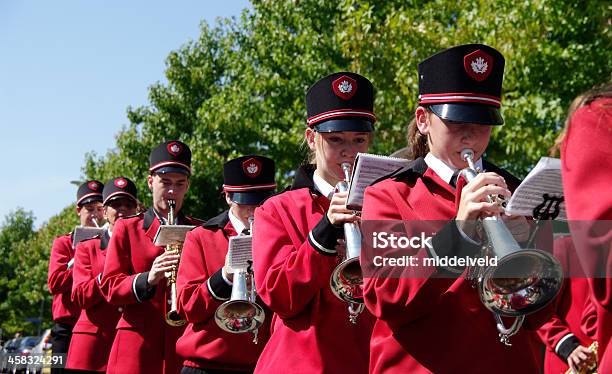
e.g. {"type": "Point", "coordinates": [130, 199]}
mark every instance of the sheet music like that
{"type": "Point", "coordinates": [545, 177]}
{"type": "Point", "coordinates": [171, 234]}
{"type": "Point", "coordinates": [368, 168]}
{"type": "Point", "coordinates": [85, 232]}
{"type": "Point", "coordinates": [240, 252]}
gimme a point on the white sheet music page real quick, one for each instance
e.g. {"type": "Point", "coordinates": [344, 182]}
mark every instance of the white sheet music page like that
{"type": "Point", "coordinates": [544, 178]}
{"type": "Point", "coordinates": [369, 168]}
{"type": "Point", "coordinates": [171, 234]}
{"type": "Point", "coordinates": [240, 252]}
{"type": "Point", "coordinates": [85, 232]}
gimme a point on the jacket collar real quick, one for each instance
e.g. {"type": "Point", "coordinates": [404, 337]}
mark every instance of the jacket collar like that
{"type": "Point", "coordinates": [419, 167]}
{"type": "Point", "coordinates": [416, 167]}
{"type": "Point", "coordinates": [151, 215]}
{"type": "Point", "coordinates": [218, 222]}
{"type": "Point", "coordinates": [303, 178]}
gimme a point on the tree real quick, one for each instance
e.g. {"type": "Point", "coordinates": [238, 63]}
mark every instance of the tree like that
{"type": "Point", "coordinates": [240, 87]}
{"type": "Point", "coordinates": [28, 293]}
{"type": "Point", "coordinates": [17, 228]}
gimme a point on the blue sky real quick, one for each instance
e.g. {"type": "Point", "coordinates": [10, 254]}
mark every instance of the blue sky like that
{"type": "Point", "coordinates": [68, 71]}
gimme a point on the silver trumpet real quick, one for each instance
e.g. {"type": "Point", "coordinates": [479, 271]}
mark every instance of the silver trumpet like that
{"type": "Point", "coordinates": [346, 281]}
{"type": "Point", "coordinates": [173, 318]}
{"type": "Point", "coordinates": [524, 280]}
{"type": "Point", "coordinates": [241, 313]}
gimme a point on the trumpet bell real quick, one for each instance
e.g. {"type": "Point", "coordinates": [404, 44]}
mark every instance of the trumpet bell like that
{"type": "Point", "coordinates": [239, 316]}
{"type": "Point", "coordinates": [174, 319]}
{"type": "Point", "coordinates": [522, 283]}
{"type": "Point", "coordinates": [346, 281]}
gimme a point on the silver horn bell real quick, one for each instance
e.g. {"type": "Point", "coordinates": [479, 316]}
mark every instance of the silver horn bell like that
{"type": "Point", "coordinates": [524, 280]}
{"type": "Point", "coordinates": [240, 314]}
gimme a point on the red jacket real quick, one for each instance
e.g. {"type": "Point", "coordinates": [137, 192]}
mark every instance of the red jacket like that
{"type": "Point", "coordinates": [202, 290]}
{"type": "Point", "coordinates": [434, 324]}
{"type": "Point", "coordinates": [586, 163]}
{"type": "Point", "coordinates": [144, 343]}
{"type": "Point", "coordinates": [310, 332]}
{"type": "Point", "coordinates": [60, 281]}
{"type": "Point", "coordinates": [563, 332]}
{"type": "Point", "coordinates": [94, 332]}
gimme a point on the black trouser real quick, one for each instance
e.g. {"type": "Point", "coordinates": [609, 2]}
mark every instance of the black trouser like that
{"type": "Point", "coordinates": [192, 370]}
{"type": "Point", "coordinates": [61, 334]}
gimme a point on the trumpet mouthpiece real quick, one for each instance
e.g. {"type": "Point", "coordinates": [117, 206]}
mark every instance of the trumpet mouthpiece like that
{"type": "Point", "coordinates": [467, 153]}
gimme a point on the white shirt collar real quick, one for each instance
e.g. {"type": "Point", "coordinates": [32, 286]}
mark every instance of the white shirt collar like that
{"type": "Point", "coordinates": [443, 170]}
{"type": "Point", "coordinates": [238, 225]}
{"type": "Point", "coordinates": [322, 186]}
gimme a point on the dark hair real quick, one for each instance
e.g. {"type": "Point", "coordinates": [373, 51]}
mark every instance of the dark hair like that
{"type": "Point", "coordinates": [597, 92]}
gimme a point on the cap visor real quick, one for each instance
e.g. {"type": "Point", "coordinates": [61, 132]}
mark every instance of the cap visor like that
{"type": "Point", "coordinates": [119, 196]}
{"type": "Point", "coordinates": [250, 198]}
{"type": "Point", "coordinates": [469, 113]}
{"type": "Point", "coordinates": [89, 200]}
{"type": "Point", "coordinates": [352, 124]}
{"type": "Point", "coordinates": [171, 169]}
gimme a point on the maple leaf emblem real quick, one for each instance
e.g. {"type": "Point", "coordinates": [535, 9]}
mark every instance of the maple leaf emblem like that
{"type": "Point", "coordinates": [479, 65]}
{"type": "Point", "coordinates": [345, 87]}
{"type": "Point", "coordinates": [252, 168]}
{"type": "Point", "coordinates": [175, 148]}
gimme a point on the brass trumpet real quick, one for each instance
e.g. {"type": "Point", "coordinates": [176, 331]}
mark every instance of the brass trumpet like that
{"type": "Point", "coordinates": [172, 316]}
{"type": "Point", "coordinates": [241, 313]}
{"type": "Point", "coordinates": [591, 367]}
{"type": "Point", "coordinates": [524, 280]}
{"type": "Point", "coordinates": [346, 281]}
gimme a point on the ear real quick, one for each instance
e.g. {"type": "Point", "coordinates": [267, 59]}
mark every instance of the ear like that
{"type": "Point", "coordinates": [310, 135]}
{"type": "Point", "coordinates": [150, 182]}
{"type": "Point", "coordinates": [78, 210]}
{"type": "Point", "coordinates": [421, 116]}
{"type": "Point", "coordinates": [227, 199]}
{"type": "Point", "coordinates": [105, 213]}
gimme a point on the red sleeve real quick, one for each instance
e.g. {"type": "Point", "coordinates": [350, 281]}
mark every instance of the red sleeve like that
{"type": "Point", "coordinates": [398, 300]}
{"type": "Point", "coordinates": [553, 330]}
{"type": "Point", "coordinates": [289, 272]}
{"type": "Point", "coordinates": [195, 300]}
{"type": "Point", "coordinates": [588, 323]}
{"type": "Point", "coordinates": [117, 280]}
{"type": "Point", "coordinates": [85, 287]}
{"type": "Point", "coordinates": [59, 276]}
{"type": "Point", "coordinates": [586, 163]}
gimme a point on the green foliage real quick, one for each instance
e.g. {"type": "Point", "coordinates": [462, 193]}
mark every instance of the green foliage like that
{"type": "Point", "coordinates": [26, 278]}
{"type": "Point", "coordinates": [240, 87]}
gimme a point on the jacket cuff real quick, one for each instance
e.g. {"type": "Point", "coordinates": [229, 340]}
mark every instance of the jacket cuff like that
{"type": "Point", "coordinates": [140, 287]}
{"type": "Point", "coordinates": [451, 242]}
{"type": "Point", "coordinates": [566, 346]}
{"type": "Point", "coordinates": [324, 237]}
{"type": "Point", "coordinates": [218, 287]}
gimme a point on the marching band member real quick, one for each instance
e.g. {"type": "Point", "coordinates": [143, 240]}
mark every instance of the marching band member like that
{"type": "Point", "coordinates": [566, 342]}
{"type": "Point", "coordinates": [65, 312]}
{"type": "Point", "coordinates": [585, 165]}
{"type": "Point", "coordinates": [94, 332]}
{"type": "Point", "coordinates": [134, 272]}
{"type": "Point", "coordinates": [294, 244]}
{"type": "Point", "coordinates": [432, 323]}
{"type": "Point", "coordinates": [203, 282]}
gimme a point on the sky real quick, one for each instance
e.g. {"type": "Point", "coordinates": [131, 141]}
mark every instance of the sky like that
{"type": "Point", "coordinates": [68, 71]}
